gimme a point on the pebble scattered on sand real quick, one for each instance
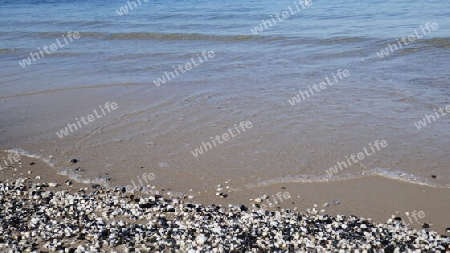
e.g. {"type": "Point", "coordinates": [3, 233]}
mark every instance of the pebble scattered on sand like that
{"type": "Point", "coordinates": [35, 217]}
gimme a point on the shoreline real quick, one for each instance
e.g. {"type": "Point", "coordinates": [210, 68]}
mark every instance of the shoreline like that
{"type": "Point", "coordinates": [138, 212]}
{"type": "Point", "coordinates": [374, 197]}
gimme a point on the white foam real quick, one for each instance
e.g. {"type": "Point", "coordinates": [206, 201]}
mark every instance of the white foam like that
{"type": "Point", "coordinates": [402, 176]}
{"type": "Point", "coordinates": [22, 152]}
{"type": "Point", "coordinates": [80, 179]}
{"type": "Point", "coordinates": [395, 175]}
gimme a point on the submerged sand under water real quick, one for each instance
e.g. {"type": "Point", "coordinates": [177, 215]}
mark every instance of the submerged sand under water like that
{"type": "Point", "coordinates": [155, 129]}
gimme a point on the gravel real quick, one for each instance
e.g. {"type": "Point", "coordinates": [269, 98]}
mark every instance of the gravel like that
{"type": "Point", "coordinates": [35, 217]}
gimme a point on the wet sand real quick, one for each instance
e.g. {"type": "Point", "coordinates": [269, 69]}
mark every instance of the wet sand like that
{"type": "Point", "coordinates": [373, 197]}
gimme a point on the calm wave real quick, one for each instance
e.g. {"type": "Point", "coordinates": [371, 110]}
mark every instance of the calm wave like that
{"type": "Point", "coordinates": [252, 77]}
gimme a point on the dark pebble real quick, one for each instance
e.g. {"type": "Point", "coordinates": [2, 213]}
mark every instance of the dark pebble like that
{"type": "Point", "coordinates": [32, 163]}
{"type": "Point", "coordinates": [447, 230]}
{"type": "Point", "coordinates": [243, 208]}
{"type": "Point", "coordinates": [73, 161]}
{"type": "Point", "coordinates": [433, 176]}
{"type": "Point", "coordinates": [426, 225]}
{"type": "Point", "coordinates": [398, 218]}
{"type": "Point", "coordinates": [147, 205]}
{"type": "Point", "coordinates": [95, 186]}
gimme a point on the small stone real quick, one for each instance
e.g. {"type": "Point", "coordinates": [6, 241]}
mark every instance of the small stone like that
{"type": "Point", "coordinates": [433, 176]}
{"type": "Point", "coordinates": [32, 163]}
{"type": "Point", "coordinates": [38, 177]}
{"type": "Point", "coordinates": [73, 161]}
{"type": "Point", "coordinates": [185, 227]}
{"type": "Point", "coordinates": [52, 184]}
{"type": "Point", "coordinates": [201, 239]}
{"type": "Point", "coordinates": [336, 202]}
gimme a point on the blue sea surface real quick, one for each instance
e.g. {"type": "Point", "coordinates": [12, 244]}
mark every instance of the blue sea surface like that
{"type": "Point", "coordinates": [130, 48]}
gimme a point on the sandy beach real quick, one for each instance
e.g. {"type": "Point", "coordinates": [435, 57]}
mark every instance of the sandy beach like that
{"type": "Point", "coordinates": [224, 126]}
{"type": "Point", "coordinates": [340, 201]}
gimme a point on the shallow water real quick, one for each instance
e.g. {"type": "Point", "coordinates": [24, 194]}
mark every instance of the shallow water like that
{"type": "Point", "coordinates": [250, 78]}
